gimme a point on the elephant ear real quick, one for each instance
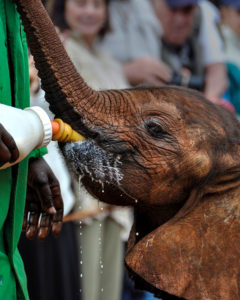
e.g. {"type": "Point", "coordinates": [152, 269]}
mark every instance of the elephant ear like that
{"type": "Point", "coordinates": [195, 257]}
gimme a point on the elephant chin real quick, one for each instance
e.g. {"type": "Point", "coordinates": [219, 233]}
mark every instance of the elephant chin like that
{"type": "Point", "coordinates": [86, 158]}
{"type": "Point", "coordinates": [99, 171]}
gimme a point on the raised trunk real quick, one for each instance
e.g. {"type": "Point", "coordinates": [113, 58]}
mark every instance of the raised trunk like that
{"type": "Point", "coordinates": [65, 89]}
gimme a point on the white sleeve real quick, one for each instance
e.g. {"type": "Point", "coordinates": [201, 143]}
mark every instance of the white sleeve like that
{"type": "Point", "coordinates": [210, 38]}
{"type": "Point", "coordinates": [136, 31]}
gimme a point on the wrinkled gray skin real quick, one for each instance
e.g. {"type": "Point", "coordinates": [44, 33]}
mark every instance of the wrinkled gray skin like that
{"type": "Point", "coordinates": [167, 152]}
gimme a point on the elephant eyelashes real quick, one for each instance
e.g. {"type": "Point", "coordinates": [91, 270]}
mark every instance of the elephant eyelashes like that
{"type": "Point", "coordinates": [155, 129]}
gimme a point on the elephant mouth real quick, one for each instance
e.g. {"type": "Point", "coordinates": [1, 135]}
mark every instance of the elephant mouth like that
{"type": "Point", "coordinates": [88, 159]}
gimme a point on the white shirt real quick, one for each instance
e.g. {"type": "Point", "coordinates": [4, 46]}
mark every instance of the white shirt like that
{"type": "Point", "coordinates": [136, 31]}
{"type": "Point", "coordinates": [212, 44]}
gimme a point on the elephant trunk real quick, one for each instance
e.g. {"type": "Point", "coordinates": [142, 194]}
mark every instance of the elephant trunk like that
{"type": "Point", "coordinates": [65, 89]}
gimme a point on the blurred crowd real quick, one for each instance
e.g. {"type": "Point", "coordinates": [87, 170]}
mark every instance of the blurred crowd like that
{"type": "Point", "coordinates": [120, 44]}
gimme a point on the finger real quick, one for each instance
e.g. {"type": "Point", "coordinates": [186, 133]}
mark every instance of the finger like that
{"type": "Point", "coordinates": [163, 75]}
{"type": "Point", "coordinates": [58, 204]}
{"type": "Point", "coordinates": [9, 142]}
{"type": "Point", "coordinates": [30, 60]}
{"type": "Point", "coordinates": [29, 198]}
{"type": "Point", "coordinates": [5, 154]}
{"type": "Point", "coordinates": [45, 226]}
{"type": "Point", "coordinates": [154, 81]}
{"type": "Point", "coordinates": [57, 221]}
{"type": "Point", "coordinates": [45, 196]}
{"type": "Point", "coordinates": [33, 219]}
{"type": "Point", "coordinates": [25, 220]}
{"type": "Point", "coordinates": [56, 192]}
{"type": "Point", "coordinates": [56, 195]}
{"type": "Point", "coordinates": [56, 228]}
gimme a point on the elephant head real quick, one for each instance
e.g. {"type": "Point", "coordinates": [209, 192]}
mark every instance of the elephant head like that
{"type": "Point", "coordinates": [166, 151]}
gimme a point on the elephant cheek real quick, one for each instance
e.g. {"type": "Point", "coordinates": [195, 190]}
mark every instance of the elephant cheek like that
{"type": "Point", "coordinates": [137, 185]}
{"type": "Point", "coordinates": [199, 164]}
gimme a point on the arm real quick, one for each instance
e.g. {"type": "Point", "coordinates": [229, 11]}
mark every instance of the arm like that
{"type": "Point", "coordinates": [213, 52]}
{"type": "Point", "coordinates": [44, 201]}
{"type": "Point", "coordinates": [216, 81]}
{"type": "Point", "coordinates": [8, 149]}
{"type": "Point", "coordinates": [147, 70]}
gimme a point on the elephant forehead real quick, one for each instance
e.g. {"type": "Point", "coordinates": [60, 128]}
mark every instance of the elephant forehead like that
{"type": "Point", "coordinates": [160, 107]}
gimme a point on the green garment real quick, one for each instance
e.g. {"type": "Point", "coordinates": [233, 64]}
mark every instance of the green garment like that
{"type": "Point", "coordinates": [14, 91]}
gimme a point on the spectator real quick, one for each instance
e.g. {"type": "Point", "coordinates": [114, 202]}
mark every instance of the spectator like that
{"type": "Point", "coordinates": [135, 41]}
{"type": "Point", "coordinates": [213, 52]}
{"type": "Point", "coordinates": [189, 36]}
{"type": "Point", "coordinates": [84, 23]}
{"type": "Point", "coordinates": [230, 13]}
{"type": "Point", "coordinates": [209, 63]}
{"type": "Point", "coordinates": [14, 91]}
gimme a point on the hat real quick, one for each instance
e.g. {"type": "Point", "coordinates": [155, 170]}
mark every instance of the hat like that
{"type": "Point", "coordinates": [233, 3]}
{"type": "Point", "coordinates": [181, 3]}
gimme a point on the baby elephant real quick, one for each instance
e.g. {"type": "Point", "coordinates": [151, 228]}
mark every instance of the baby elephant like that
{"type": "Point", "coordinates": [167, 152]}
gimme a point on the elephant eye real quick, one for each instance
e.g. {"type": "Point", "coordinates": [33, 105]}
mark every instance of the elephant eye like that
{"type": "Point", "coordinates": [155, 129]}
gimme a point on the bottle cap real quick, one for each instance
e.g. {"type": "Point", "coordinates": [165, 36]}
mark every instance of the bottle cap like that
{"type": "Point", "coordinates": [46, 124]}
{"type": "Point", "coordinates": [63, 132]}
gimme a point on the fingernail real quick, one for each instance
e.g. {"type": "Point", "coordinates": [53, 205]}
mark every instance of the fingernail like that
{"type": "Point", "coordinates": [30, 234]}
{"type": "Point", "coordinates": [52, 210]}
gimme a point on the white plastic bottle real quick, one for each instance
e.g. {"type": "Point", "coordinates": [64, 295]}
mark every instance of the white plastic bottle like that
{"type": "Point", "coordinates": [30, 128]}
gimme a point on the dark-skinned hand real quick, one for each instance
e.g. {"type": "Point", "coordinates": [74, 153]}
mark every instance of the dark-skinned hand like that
{"type": "Point", "coordinates": [8, 149]}
{"type": "Point", "coordinates": [44, 204]}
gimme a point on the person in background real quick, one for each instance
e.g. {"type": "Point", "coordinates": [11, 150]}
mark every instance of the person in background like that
{"type": "Point", "coordinates": [189, 36]}
{"type": "Point", "coordinates": [43, 193]}
{"type": "Point", "coordinates": [83, 24]}
{"type": "Point", "coordinates": [230, 26]}
{"type": "Point", "coordinates": [135, 41]}
{"type": "Point", "coordinates": [164, 18]}
{"type": "Point", "coordinates": [216, 78]}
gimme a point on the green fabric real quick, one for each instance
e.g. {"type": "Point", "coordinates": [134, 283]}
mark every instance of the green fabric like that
{"type": "Point", "coordinates": [14, 91]}
{"type": "Point", "coordinates": [38, 152]}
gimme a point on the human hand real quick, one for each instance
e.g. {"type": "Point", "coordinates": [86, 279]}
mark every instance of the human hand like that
{"type": "Point", "coordinates": [216, 81]}
{"type": "Point", "coordinates": [33, 75]}
{"type": "Point", "coordinates": [44, 204]}
{"type": "Point", "coordinates": [8, 148]}
{"type": "Point", "coordinates": [147, 70]}
{"type": "Point", "coordinates": [63, 34]}
{"type": "Point", "coordinates": [226, 104]}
